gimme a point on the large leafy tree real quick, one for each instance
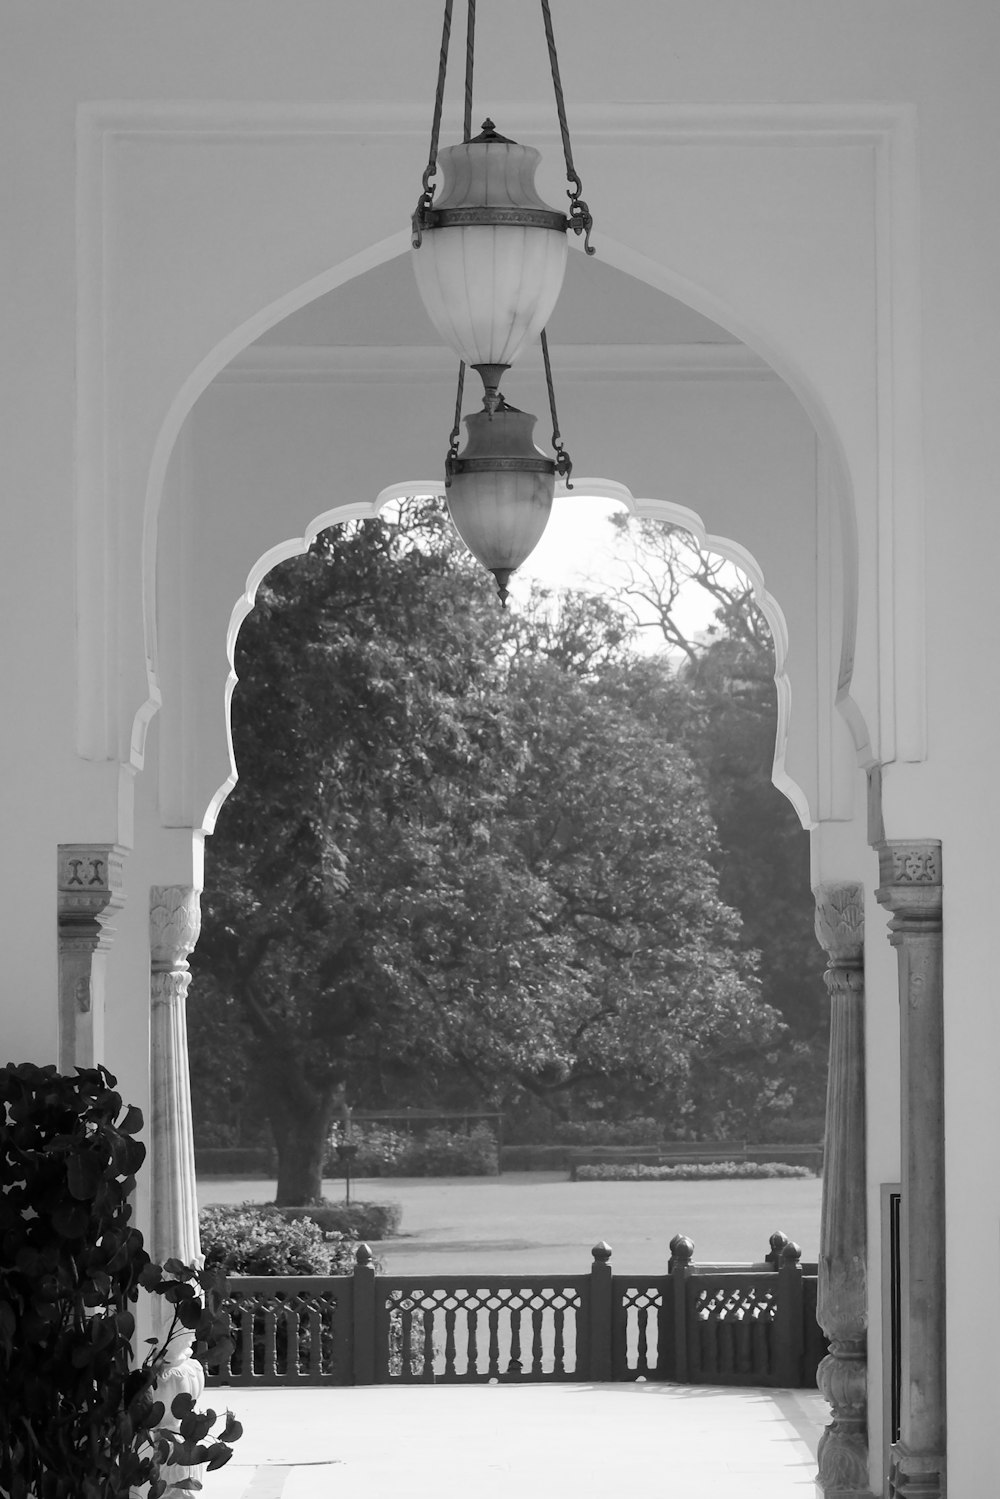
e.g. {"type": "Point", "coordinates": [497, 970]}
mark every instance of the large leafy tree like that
{"type": "Point", "coordinates": [465, 851]}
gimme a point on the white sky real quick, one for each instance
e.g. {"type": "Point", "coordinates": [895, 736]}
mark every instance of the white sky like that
{"type": "Point", "coordinates": [575, 552]}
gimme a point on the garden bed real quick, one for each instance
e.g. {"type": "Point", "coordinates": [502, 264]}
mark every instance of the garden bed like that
{"type": "Point", "coordinates": [690, 1171]}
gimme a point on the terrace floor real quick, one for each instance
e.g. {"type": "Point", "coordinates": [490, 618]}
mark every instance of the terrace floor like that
{"type": "Point", "coordinates": [606, 1441]}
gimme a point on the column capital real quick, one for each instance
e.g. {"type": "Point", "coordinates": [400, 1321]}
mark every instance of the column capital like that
{"type": "Point", "coordinates": [840, 921]}
{"type": "Point", "coordinates": [90, 882]}
{"type": "Point", "coordinates": [174, 925]}
{"type": "Point", "coordinates": [910, 878]}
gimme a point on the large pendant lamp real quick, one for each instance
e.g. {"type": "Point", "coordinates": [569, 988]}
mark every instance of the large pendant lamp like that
{"type": "Point", "coordinates": [489, 258]}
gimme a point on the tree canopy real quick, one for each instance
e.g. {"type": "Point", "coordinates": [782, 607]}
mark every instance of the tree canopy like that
{"type": "Point", "coordinates": [470, 856]}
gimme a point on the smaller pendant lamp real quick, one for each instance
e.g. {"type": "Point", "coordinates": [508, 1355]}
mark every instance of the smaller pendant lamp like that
{"type": "Point", "coordinates": [500, 489]}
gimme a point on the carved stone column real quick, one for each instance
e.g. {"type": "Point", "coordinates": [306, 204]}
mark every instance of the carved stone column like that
{"type": "Point", "coordinates": [174, 924]}
{"type": "Point", "coordinates": [90, 890]}
{"type": "Point", "coordinates": [842, 1299]}
{"type": "Point", "coordinates": [174, 921]}
{"type": "Point", "coordinates": [910, 886]}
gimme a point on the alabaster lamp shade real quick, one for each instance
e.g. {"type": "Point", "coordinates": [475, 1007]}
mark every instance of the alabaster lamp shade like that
{"type": "Point", "coordinates": [500, 490]}
{"type": "Point", "coordinates": [492, 255]}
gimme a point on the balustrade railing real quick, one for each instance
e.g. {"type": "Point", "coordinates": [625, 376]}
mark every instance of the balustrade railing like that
{"type": "Point", "coordinates": [696, 1324]}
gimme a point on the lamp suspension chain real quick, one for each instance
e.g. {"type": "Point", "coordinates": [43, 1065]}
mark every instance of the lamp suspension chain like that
{"type": "Point", "coordinates": [564, 463]}
{"type": "Point", "coordinates": [470, 48]}
{"type": "Point", "coordinates": [427, 193]}
{"type": "Point", "coordinates": [456, 431]}
{"type": "Point", "coordinates": [580, 218]}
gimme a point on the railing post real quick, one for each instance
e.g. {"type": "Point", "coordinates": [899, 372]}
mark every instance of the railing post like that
{"type": "Point", "coordinates": [601, 1314]}
{"type": "Point", "coordinates": [681, 1255]}
{"type": "Point", "coordinates": [788, 1331]}
{"type": "Point", "coordinates": [364, 1322]}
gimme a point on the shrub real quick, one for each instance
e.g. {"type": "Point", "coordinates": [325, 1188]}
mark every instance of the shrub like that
{"type": "Point", "coordinates": [534, 1157]}
{"type": "Point", "coordinates": [256, 1240]}
{"type": "Point", "coordinates": [355, 1220]}
{"type": "Point", "coordinates": [692, 1171]}
{"type": "Point", "coordinates": [242, 1160]}
{"type": "Point", "coordinates": [600, 1132]}
{"type": "Point", "coordinates": [78, 1415]}
{"type": "Point", "coordinates": [441, 1153]}
{"type": "Point", "coordinates": [380, 1152]}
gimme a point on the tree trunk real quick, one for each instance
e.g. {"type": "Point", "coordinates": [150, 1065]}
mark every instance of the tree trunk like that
{"type": "Point", "coordinates": [301, 1126]}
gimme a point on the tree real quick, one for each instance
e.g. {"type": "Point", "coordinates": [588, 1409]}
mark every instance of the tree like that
{"type": "Point", "coordinates": [441, 862]}
{"type": "Point", "coordinates": [763, 852]}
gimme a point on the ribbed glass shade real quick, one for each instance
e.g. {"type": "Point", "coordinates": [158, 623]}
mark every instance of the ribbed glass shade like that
{"type": "Point", "coordinates": [500, 490]}
{"type": "Point", "coordinates": [493, 255]}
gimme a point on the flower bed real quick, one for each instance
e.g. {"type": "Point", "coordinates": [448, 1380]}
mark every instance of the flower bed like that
{"type": "Point", "coordinates": [692, 1171]}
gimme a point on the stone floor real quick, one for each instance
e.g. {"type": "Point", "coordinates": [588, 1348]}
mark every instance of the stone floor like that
{"type": "Point", "coordinates": [522, 1442]}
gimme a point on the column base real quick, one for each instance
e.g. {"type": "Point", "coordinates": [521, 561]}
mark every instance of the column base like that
{"type": "Point", "coordinates": [916, 1475]}
{"type": "Point", "coordinates": [843, 1462]}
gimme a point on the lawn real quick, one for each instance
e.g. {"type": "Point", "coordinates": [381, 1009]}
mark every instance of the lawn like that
{"type": "Point", "coordinates": [537, 1221]}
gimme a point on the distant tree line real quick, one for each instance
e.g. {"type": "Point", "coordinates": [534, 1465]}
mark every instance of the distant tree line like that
{"type": "Point", "coordinates": [479, 858]}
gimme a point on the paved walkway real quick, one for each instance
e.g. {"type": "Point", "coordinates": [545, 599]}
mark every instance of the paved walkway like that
{"type": "Point", "coordinates": [522, 1442]}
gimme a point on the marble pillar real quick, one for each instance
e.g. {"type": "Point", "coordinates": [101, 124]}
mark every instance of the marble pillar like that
{"type": "Point", "coordinates": [842, 1299]}
{"type": "Point", "coordinates": [90, 889]}
{"type": "Point", "coordinates": [910, 887]}
{"type": "Point", "coordinates": [174, 924]}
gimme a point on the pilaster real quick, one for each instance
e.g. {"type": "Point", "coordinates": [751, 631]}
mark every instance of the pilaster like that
{"type": "Point", "coordinates": [90, 887]}
{"type": "Point", "coordinates": [911, 888]}
{"type": "Point", "coordinates": [842, 1299]}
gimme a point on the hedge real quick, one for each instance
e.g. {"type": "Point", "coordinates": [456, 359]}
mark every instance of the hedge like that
{"type": "Point", "coordinates": [693, 1171]}
{"type": "Point", "coordinates": [356, 1220]}
{"type": "Point", "coordinates": [255, 1240]}
{"type": "Point", "coordinates": [534, 1157]}
{"type": "Point", "coordinates": [236, 1160]}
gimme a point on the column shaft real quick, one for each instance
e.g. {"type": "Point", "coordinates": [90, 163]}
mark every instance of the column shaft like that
{"type": "Point", "coordinates": [174, 925]}
{"type": "Point", "coordinates": [842, 1301]}
{"type": "Point", "coordinates": [910, 886]}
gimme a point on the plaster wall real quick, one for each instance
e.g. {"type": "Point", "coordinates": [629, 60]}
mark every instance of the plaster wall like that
{"type": "Point", "coordinates": [193, 240]}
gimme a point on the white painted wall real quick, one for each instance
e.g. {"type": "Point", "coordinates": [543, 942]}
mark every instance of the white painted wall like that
{"type": "Point", "coordinates": [748, 157]}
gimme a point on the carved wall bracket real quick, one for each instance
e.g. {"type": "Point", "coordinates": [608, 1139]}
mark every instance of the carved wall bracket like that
{"type": "Point", "coordinates": [90, 889]}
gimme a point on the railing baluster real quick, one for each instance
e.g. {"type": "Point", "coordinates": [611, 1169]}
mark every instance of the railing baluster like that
{"type": "Point", "coordinates": [514, 1362]}
{"type": "Point", "coordinates": [450, 1317]}
{"type": "Point", "coordinates": [642, 1354]}
{"type": "Point", "coordinates": [428, 1350]}
{"type": "Point", "coordinates": [406, 1332]}
{"type": "Point", "coordinates": [316, 1326]}
{"type": "Point", "coordinates": [537, 1317]}
{"type": "Point", "coordinates": [494, 1324]}
{"type": "Point", "coordinates": [559, 1351]}
{"type": "Point", "coordinates": [472, 1344]}
{"type": "Point", "coordinates": [270, 1329]}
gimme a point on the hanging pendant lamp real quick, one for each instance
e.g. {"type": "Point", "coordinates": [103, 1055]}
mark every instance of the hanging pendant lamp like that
{"type": "Point", "coordinates": [489, 257]}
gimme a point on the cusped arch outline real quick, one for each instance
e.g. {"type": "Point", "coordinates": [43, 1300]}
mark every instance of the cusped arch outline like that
{"type": "Point", "coordinates": [631, 262]}
{"type": "Point", "coordinates": [667, 511]}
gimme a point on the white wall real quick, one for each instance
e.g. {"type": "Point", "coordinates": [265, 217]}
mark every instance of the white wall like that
{"type": "Point", "coordinates": [183, 237]}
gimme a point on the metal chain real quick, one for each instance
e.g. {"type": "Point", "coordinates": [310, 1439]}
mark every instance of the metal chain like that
{"type": "Point", "coordinates": [470, 47]}
{"type": "Point", "coordinates": [580, 219]}
{"type": "Point", "coordinates": [427, 193]}
{"type": "Point", "coordinates": [456, 431]}
{"type": "Point", "coordinates": [564, 463]}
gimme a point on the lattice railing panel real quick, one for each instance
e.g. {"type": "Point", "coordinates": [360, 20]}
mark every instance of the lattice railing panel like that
{"type": "Point", "coordinates": [731, 1330]}
{"type": "Point", "coordinates": [639, 1333]}
{"type": "Point", "coordinates": [287, 1331]}
{"type": "Point", "coordinates": [462, 1333]}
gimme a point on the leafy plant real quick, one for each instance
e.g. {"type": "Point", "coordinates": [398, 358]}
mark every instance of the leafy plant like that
{"type": "Point", "coordinates": [690, 1171]}
{"type": "Point", "coordinates": [255, 1240]}
{"type": "Point", "coordinates": [79, 1419]}
{"type": "Point", "coordinates": [442, 1153]}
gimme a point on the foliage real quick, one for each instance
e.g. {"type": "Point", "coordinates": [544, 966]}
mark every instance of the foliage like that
{"type": "Point", "coordinates": [606, 1132]}
{"type": "Point", "coordinates": [236, 1160]}
{"type": "Point", "coordinates": [255, 1240]}
{"type": "Point", "coordinates": [690, 1171]}
{"type": "Point", "coordinates": [355, 1220]}
{"type": "Point", "coordinates": [534, 1157]}
{"type": "Point", "coordinates": [381, 1151]}
{"type": "Point", "coordinates": [443, 1152]}
{"type": "Point", "coordinates": [469, 858]}
{"type": "Point", "coordinates": [78, 1418]}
